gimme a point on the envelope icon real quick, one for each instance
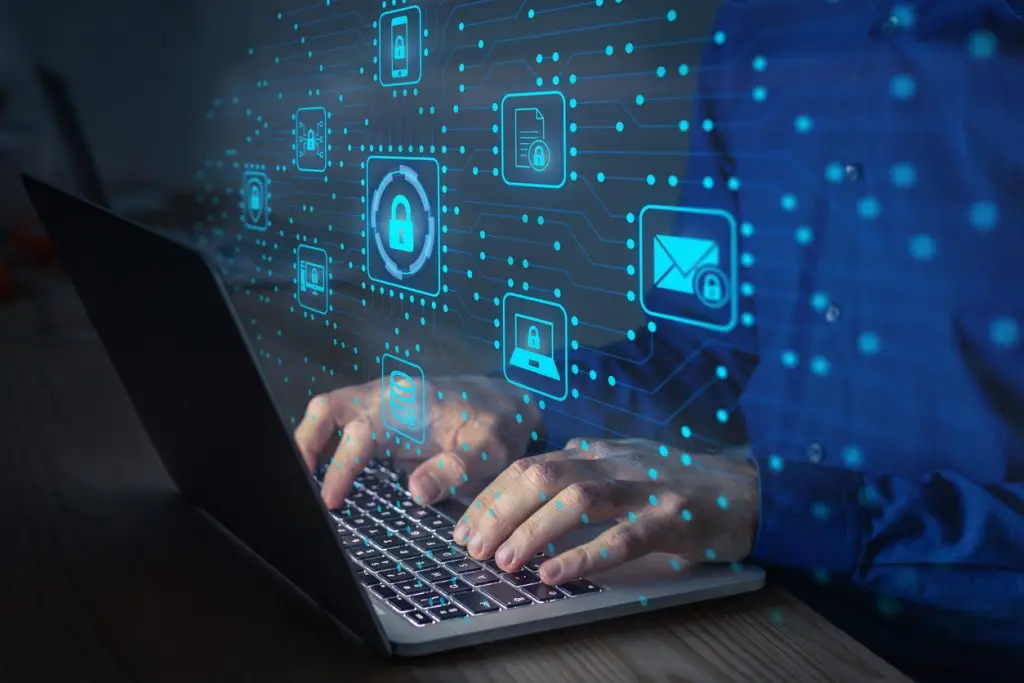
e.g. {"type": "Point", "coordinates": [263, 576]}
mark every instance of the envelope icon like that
{"type": "Point", "coordinates": [677, 259]}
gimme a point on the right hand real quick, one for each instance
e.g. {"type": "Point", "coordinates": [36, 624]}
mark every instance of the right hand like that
{"type": "Point", "coordinates": [472, 434]}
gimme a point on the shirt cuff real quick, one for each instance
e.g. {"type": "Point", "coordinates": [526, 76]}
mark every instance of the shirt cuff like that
{"type": "Point", "coordinates": [810, 517]}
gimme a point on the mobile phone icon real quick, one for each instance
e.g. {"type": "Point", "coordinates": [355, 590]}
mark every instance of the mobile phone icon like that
{"type": "Point", "coordinates": [400, 47]}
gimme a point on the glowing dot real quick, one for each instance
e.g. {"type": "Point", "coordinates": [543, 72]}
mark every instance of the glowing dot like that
{"type": "Point", "coordinates": [723, 502]}
{"type": "Point", "coordinates": [804, 235]}
{"type": "Point", "coordinates": [869, 343]}
{"type": "Point", "coordinates": [640, 100]}
{"type": "Point", "coordinates": [710, 554]}
{"type": "Point", "coordinates": [788, 202]}
{"type": "Point", "coordinates": [803, 124]}
{"type": "Point", "coordinates": [869, 208]}
{"type": "Point", "coordinates": [983, 216]}
{"type": "Point", "coordinates": [852, 456]}
{"type": "Point", "coordinates": [652, 473]}
{"type": "Point", "coordinates": [684, 125]}
{"type": "Point", "coordinates": [903, 175]}
{"type": "Point", "coordinates": [686, 515]}
{"type": "Point", "coordinates": [820, 366]}
{"type": "Point", "coordinates": [650, 180]}
{"type": "Point", "coordinates": [672, 15]}
{"type": "Point", "coordinates": [619, 126]}
{"type": "Point", "coordinates": [903, 86]}
{"type": "Point", "coordinates": [982, 45]}
{"type": "Point", "coordinates": [923, 247]}
{"type": "Point", "coordinates": [1004, 332]}
{"type": "Point", "coordinates": [609, 50]}
{"type": "Point", "coordinates": [719, 37]}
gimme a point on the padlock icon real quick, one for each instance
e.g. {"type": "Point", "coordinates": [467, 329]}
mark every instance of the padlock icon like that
{"type": "Point", "coordinates": [400, 230]}
{"type": "Point", "coordinates": [310, 141]}
{"type": "Point", "coordinates": [538, 157]}
{"type": "Point", "coordinates": [399, 50]}
{"type": "Point", "coordinates": [533, 338]}
{"type": "Point", "coordinates": [255, 200]}
{"type": "Point", "coordinates": [712, 288]}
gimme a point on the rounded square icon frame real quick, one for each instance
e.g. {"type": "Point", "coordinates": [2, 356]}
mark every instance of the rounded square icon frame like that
{"type": "Point", "coordinates": [408, 9]}
{"type": "Point", "coordinates": [565, 138]}
{"type": "Point", "coordinates": [421, 437]}
{"type": "Point", "coordinates": [437, 211]}
{"type": "Point", "coordinates": [298, 166]}
{"type": "Point", "coordinates": [327, 278]}
{"type": "Point", "coordinates": [733, 267]}
{"type": "Point", "coordinates": [246, 176]}
{"type": "Point", "coordinates": [565, 344]}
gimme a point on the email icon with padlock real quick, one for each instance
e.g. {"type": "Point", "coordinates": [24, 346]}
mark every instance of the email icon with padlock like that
{"type": "Point", "coordinates": [677, 260]}
{"type": "Point", "coordinates": [688, 266]}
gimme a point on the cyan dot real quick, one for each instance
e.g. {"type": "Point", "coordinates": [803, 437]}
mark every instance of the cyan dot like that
{"type": "Point", "coordinates": [820, 366]}
{"type": "Point", "coordinates": [723, 502]}
{"type": "Point", "coordinates": [982, 45]}
{"type": "Point", "coordinates": [923, 247]}
{"type": "Point", "coordinates": [759, 63]}
{"type": "Point", "coordinates": [619, 126]}
{"type": "Point", "coordinates": [684, 125]}
{"type": "Point", "coordinates": [760, 94]}
{"type": "Point", "coordinates": [869, 208]}
{"type": "Point", "coordinates": [903, 175]}
{"type": "Point", "coordinates": [820, 511]}
{"type": "Point", "coordinates": [983, 216]}
{"type": "Point", "coordinates": [803, 124]}
{"type": "Point", "coordinates": [650, 180]}
{"type": "Point", "coordinates": [869, 343]}
{"type": "Point", "coordinates": [819, 301]}
{"type": "Point", "coordinates": [804, 235]}
{"type": "Point", "coordinates": [686, 515]}
{"type": "Point", "coordinates": [1004, 332]}
{"type": "Point", "coordinates": [834, 172]}
{"type": "Point", "coordinates": [903, 86]}
{"type": "Point", "coordinates": [776, 463]}
{"type": "Point", "coordinates": [652, 500]}
{"type": "Point", "coordinates": [853, 457]}
{"type": "Point", "coordinates": [652, 473]}
{"type": "Point", "coordinates": [722, 415]}
{"type": "Point", "coordinates": [719, 37]}
{"type": "Point", "coordinates": [710, 554]}
{"type": "Point", "coordinates": [789, 202]}
{"type": "Point", "coordinates": [639, 100]}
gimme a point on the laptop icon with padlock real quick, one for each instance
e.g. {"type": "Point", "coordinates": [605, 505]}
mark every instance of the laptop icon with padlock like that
{"type": "Point", "coordinates": [534, 350]}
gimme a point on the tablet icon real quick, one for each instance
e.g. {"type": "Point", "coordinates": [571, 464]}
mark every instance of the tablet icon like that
{"type": "Point", "coordinates": [533, 139]}
{"type": "Point", "coordinates": [399, 49]}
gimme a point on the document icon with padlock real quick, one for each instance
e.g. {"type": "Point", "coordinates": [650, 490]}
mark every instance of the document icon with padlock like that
{"type": "Point", "coordinates": [677, 260]}
{"type": "Point", "coordinates": [689, 265]}
{"type": "Point", "coordinates": [534, 147]}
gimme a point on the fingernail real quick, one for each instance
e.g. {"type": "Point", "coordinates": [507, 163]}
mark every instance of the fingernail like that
{"type": "Point", "coordinates": [461, 531]}
{"type": "Point", "coordinates": [476, 544]}
{"type": "Point", "coordinates": [551, 572]}
{"type": "Point", "coordinates": [505, 556]}
{"type": "Point", "coordinates": [430, 489]}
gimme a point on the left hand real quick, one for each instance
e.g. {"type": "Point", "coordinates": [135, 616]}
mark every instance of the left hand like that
{"type": "Point", "coordinates": [702, 508]}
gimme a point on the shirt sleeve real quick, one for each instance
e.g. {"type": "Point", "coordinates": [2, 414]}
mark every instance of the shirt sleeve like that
{"type": "Point", "coordinates": [668, 370]}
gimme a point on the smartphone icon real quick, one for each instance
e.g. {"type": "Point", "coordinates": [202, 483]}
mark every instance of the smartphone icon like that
{"type": "Point", "coordinates": [400, 47]}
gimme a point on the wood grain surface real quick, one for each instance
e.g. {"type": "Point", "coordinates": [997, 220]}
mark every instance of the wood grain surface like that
{"type": "Point", "coordinates": [107, 575]}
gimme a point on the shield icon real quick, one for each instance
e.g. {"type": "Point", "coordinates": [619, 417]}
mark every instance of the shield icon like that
{"type": "Point", "coordinates": [255, 200]}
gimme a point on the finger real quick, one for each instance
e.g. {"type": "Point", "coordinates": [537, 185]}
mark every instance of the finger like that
{"type": "Point", "coordinates": [526, 487]}
{"type": "Point", "coordinates": [352, 455]}
{"type": "Point", "coordinates": [590, 502]}
{"type": "Point", "coordinates": [435, 479]}
{"type": "Point", "coordinates": [623, 542]}
{"type": "Point", "coordinates": [324, 414]}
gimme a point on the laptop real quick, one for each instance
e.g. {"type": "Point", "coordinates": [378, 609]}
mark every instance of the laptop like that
{"type": "Point", "coordinates": [533, 348]}
{"type": "Point", "coordinates": [382, 568]}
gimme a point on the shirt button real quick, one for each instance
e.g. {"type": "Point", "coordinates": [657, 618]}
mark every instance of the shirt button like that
{"type": "Point", "coordinates": [853, 172]}
{"type": "Point", "coordinates": [832, 313]}
{"type": "Point", "coordinates": [815, 452]}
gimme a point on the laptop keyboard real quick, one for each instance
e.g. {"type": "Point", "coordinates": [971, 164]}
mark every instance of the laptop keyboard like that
{"type": "Point", "coordinates": [407, 559]}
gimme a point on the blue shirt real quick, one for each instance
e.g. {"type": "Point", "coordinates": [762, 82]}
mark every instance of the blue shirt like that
{"type": "Point", "coordinates": [877, 369]}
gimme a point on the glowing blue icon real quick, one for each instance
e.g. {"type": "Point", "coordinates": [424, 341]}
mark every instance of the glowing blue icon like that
{"type": "Point", "coordinates": [311, 134]}
{"type": "Point", "coordinates": [400, 227]}
{"type": "Point", "coordinates": [399, 52]}
{"type": "Point", "coordinates": [403, 235]}
{"type": "Point", "coordinates": [255, 200]}
{"type": "Point", "coordinates": [535, 345]}
{"type": "Point", "coordinates": [403, 397]}
{"type": "Point", "coordinates": [533, 139]}
{"type": "Point", "coordinates": [312, 278]}
{"type": "Point", "coordinates": [689, 266]}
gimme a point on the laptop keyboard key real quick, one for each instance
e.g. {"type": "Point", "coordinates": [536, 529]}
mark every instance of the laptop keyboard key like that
{"type": "Point", "coordinates": [422, 564]}
{"type": "Point", "coordinates": [479, 578]}
{"type": "Point", "coordinates": [453, 587]}
{"type": "Point", "coordinates": [534, 564]}
{"type": "Point", "coordinates": [404, 553]}
{"type": "Point", "coordinates": [523, 577]}
{"type": "Point", "coordinates": [579, 587]}
{"type": "Point", "coordinates": [387, 542]}
{"type": "Point", "coordinates": [367, 579]}
{"type": "Point", "coordinates": [351, 541]}
{"type": "Point", "coordinates": [430, 600]}
{"type": "Point", "coordinates": [447, 612]}
{"type": "Point", "coordinates": [379, 564]}
{"type": "Point", "coordinates": [395, 575]}
{"type": "Point", "coordinates": [444, 531]}
{"type": "Point", "coordinates": [418, 618]}
{"type": "Point", "coordinates": [429, 545]}
{"type": "Point", "coordinates": [435, 523]}
{"type": "Point", "coordinates": [446, 554]}
{"type": "Point", "coordinates": [476, 602]}
{"type": "Point", "coordinates": [401, 605]}
{"type": "Point", "coordinates": [506, 595]}
{"type": "Point", "coordinates": [364, 553]}
{"type": "Point", "coordinates": [383, 592]}
{"type": "Point", "coordinates": [438, 575]}
{"type": "Point", "coordinates": [415, 534]}
{"type": "Point", "coordinates": [359, 523]}
{"type": "Point", "coordinates": [542, 592]}
{"type": "Point", "coordinates": [462, 566]}
{"type": "Point", "coordinates": [412, 587]}
{"type": "Point", "coordinates": [418, 513]}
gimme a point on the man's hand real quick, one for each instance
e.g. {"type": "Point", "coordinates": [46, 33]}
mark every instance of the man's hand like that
{"type": "Point", "coordinates": [475, 426]}
{"type": "Point", "coordinates": [703, 508]}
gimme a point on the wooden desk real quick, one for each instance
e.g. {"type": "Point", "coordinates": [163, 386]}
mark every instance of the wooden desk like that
{"type": "Point", "coordinates": [107, 575]}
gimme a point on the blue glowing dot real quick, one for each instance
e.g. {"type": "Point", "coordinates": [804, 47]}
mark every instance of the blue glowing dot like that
{"type": "Point", "coordinates": [651, 325]}
{"type": "Point", "coordinates": [759, 63]}
{"type": "Point", "coordinates": [686, 515]}
{"type": "Point", "coordinates": [619, 126]}
{"type": "Point", "coordinates": [852, 456]}
{"type": "Point", "coordinates": [760, 94]}
{"type": "Point", "coordinates": [652, 473]}
{"type": "Point", "coordinates": [869, 208]}
{"type": "Point", "coordinates": [788, 202]}
{"type": "Point", "coordinates": [923, 247]}
{"type": "Point", "coordinates": [804, 235]}
{"type": "Point", "coordinates": [982, 45]}
{"type": "Point", "coordinates": [663, 450]}
{"type": "Point", "coordinates": [723, 502]}
{"type": "Point", "coordinates": [722, 415]}
{"type": "Point", "coordinates": [834, 173]}
{"type": "Point", "coordinates": [629, 48]}
{"type": "Point", "coordinates": [611, 381]}
{"type": "Point", "coordinates": [708, 182]}
{"type": "Point", "coordinates": [686, 459]}
{"type": "Point", "coordinates": [903, 175]}
{"type": "Point", "coordinates": [600, 176]}
{"type": "Point", "coordinates": [650, 179]}
{"type": "Point", "coordinates": [803, 124]}
{"type": "Point", "coordinates": [686, 432]}
{"type": "Point", "coordinates": [684, 69]}
{"type": "Point", "coordinates": [672, 15]}
{"type": "Point", "coordinates": [643, 601]}
{"type": "Point", "coordinates": [675, 564]}
{"type": "Point", "coordinates": [820, 366]}
{"type": "Point", "coordinates": [820, 511]}
{"type": "Point", "coordinates": [673, 181]}
{"type": "Point", "coordinates": [719, 37]}
{"type": "Point", "coordinates": [684, 125]}
{"type": "Point", "coordinates": [710, 554]}
{"type": "Point", "coordinates": [722, 372]}
{"type": "Point", "coordinates": [609, 50]}
{"type": "Point", "coordinates": [819, 301]}
{"type": "Point", "coordinates": [640, 100]}
{"type": "Point", "coordinates": [555, 57]}
{"type": "Point", "coordinates": [632, 517]}
{"type": "Point", "coordinates": [661, 71]}
{"type": "Point", "coordinates": [903, 86]}
{"type": "Point", "coordinates": [708, 125]}
{"type": "Point", "coordinates": [1004, 332]}
{"type": "Point", "coordinates": [776, 463]}
{"type": "Point", "coordinates": [734, 184]}
{"type": "Point", "coordinates": [869, 343]}
{"type": "Point", "coordinates": [983, 216]}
